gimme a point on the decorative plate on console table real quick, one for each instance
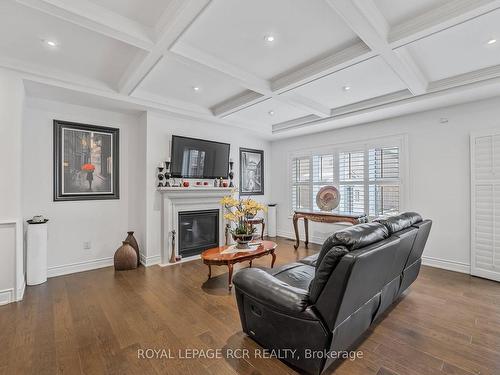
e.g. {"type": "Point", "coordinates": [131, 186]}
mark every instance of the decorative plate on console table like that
{"type": "Point", "coordinates": [328, 198]}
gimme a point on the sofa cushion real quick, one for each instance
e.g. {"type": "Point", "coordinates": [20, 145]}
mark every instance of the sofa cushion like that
{"type": "Point", "coordinates": [311, 260]}
{"type": "Point", "coordinates": [324, 270]}
{"type": "Point", "coordinates": [400, 222]}
{"type": "Point", "coordinates": [298, 275]}
{"type": "Point", "coordinates": [354, 237]}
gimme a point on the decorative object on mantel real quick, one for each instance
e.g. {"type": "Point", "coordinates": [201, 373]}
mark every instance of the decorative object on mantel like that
{"type": "Point", "coordinates": [161, 176]}
{"type": "Point", "coordinates": [237, 212]}
{"type": "Point", "coordinates": [172, 253]}
{"type": "Point", "coordinates": [251, 172]}
{"type": "Point", "coordinates": [168, 175]}
{"type": "Point", "coordinates": [125, 257]}
{"type": "Point", "coordinates": [231, 173]}
{"type": "Point", "coordinates": [133, 242]}
{"type": "Point", "coordinates": [328, 198]}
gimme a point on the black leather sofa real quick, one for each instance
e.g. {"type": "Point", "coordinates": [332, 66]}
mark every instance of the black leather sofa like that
{"type": "Point", "coordinates": [325, 302]}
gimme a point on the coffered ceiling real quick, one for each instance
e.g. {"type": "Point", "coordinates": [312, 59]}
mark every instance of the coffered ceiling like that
{"type": "Point", "coordinates": [277, 67]}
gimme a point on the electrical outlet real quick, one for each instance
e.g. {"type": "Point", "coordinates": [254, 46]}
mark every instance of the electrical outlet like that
{"type": "Point", "coordinates": [87, 245]}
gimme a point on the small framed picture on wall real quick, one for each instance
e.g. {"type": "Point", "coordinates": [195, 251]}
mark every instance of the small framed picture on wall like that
{"type": "Point", "coordinates": [86, 165]}
{"type": "Point", "coordinates": [251, 172]}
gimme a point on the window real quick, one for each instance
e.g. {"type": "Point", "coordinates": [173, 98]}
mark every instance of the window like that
{"type": "Point", "coordinates": [367, 176]}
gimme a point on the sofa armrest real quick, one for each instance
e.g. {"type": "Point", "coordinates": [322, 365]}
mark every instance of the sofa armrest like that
{"type": "Point", "coordinates": [270, 291]}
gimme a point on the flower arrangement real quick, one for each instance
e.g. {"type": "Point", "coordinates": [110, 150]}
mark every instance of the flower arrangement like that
{"type": "Point", "coordinates": [88, 167]}
{"type": "Point", "coordinates": [238, 211]}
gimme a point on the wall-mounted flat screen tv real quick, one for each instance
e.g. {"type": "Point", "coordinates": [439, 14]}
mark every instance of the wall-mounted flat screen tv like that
{"type": "Point", "coordinates": [199, 158]}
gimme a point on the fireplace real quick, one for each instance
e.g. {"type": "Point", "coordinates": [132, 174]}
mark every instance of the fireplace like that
{"type": "Point", "coordinates": [198, 231]}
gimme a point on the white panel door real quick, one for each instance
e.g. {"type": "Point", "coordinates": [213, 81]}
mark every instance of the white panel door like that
{"type": "Point", "coordinates": [485, 205]}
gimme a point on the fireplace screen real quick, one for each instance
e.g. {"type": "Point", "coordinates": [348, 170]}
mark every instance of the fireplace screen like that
{"type": "Point", "coordinates": [198, 231]}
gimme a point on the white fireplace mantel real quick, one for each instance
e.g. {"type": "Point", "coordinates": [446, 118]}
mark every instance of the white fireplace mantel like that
{"type": "Point", "coordinates": [179, 199]}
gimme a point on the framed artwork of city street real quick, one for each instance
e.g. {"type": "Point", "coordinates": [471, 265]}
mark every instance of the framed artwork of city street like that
{"type": "Point", "coordinates": [251, 171]}
{"type": "Point", "coordinates": [86, 162]}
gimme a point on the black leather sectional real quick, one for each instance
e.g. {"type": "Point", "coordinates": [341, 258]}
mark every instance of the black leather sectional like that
{"type": "Point", "coordinates": [323, 303]}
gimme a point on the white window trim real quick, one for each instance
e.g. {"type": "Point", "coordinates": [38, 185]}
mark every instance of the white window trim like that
{"type": "Point", "coordinates": [400, 140]}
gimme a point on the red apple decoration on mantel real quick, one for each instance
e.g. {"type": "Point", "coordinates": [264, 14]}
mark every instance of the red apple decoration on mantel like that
{"type": "Point", "coordinates": [205, 183]}
{"type": "Point", "coordinates": [224, 184]}
{"type": "Point", "coordinates": [185, 183]}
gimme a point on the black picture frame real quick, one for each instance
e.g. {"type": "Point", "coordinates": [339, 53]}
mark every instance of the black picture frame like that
{"type": "Point", "coordinates": [61, 174]}
{"type": "Point", "coordinates": [248, 166]}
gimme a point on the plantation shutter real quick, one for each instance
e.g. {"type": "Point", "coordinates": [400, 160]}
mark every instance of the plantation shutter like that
{"type": "Point", "coordinates": [323, 174]}
{"type": "Point", "coordinates": [384, 181]}
{"type": "Point", "coordinates": [301, 189]}
{"type": "Point", "coordinates": [485, 205]}
{"type": "Point", "coordinates": [351, 182]}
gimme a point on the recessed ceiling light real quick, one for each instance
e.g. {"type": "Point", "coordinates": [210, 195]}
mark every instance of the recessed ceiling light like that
{"type": "Point", "coordinates": [196, 88]}
{"type": "Point", "coordinates": [269, 38]}
{"type": "Point", "coordinates": [492, 41]}
{"type": "Point", "coordinates": [346, 88]}
{"type": "Point", "coordinates": [271, 113]}
{"type": "Point", "coordinates": [50, 43]}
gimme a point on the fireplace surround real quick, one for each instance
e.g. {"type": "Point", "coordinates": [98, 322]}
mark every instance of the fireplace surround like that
{"type": "Point", "coordinates": [175, 200]}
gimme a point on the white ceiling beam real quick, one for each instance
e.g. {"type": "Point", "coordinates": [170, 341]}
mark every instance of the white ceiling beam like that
{"type": "Point", "coordinates": [305, 103]}
{"type": "Point", "coordinates": [182, 13]}
{"type": "Point", "coordinates": [237, 103]}
{"type": "Point", "coordinates": [95, 18]}
{"type": "Point", "coordinates": [357, 16]}
{"type": "Point", "coordinates": [244, 78]}
{"type": "Point", "coordinates": [438, 19]}
{"type": "Point", "coordinates": [322, 66]}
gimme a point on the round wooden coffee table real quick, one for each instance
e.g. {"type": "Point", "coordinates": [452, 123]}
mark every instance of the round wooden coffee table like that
{"type": "Point", "coordinates": [213, 257]}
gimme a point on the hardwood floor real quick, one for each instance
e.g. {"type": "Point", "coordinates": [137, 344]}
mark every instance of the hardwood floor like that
{"type": "Point", "coordinates": [94, 323]}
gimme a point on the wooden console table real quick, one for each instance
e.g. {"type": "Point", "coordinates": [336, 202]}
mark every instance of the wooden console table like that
{"type": "Point", "coordinates": [323, 217]}
{"type": "Point", "coordinates": [258, 220]}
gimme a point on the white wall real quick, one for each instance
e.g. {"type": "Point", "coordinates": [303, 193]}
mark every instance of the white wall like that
{"type": "Point", "coordinates": [160, 129]}
{"type": "Point", "coordinates": [102, 222]}
{"type": "Point", "coordinates": [439, 183]}
{"type": "Point", "coordinates": [11, 266]}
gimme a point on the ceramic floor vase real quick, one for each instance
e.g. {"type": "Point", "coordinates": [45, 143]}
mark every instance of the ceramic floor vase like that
{"type": "Point", "coordinates": [133, 242]}
{"type": "Point", "coordinates": [125, 257]}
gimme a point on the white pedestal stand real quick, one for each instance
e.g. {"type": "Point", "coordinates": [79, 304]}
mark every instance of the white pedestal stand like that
{"type": "Point", "coordinates": [36, 254]}
{"type": "Point", "coordinates": [271, 220]}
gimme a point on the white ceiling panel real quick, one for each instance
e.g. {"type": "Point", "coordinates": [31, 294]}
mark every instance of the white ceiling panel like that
{"type": "Point", "coordinates": [267, 113]}
{"type": "Point", "coordinates": [368, 79]}
{"type": "Point", "coordinates": [396, 12]}
{"type": "Point", "coordinates": [147, 13]}
{"type": "Point", "coordinates": [235, 30]}
{"type": "Point", "coordinates": [459, 49]}
{"type": "Point", "coordinates": [173, 78]}
{"type": "Point", "coordinates": [78, 51]}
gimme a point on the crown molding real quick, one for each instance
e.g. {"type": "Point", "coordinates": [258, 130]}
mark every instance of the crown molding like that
{"type": "Point", "coordinates": [439, 19]}
{"type": "Point", "coordinates": [237, 103]}
{"type": "Point", "coordinates": [466, 78]}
